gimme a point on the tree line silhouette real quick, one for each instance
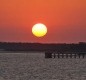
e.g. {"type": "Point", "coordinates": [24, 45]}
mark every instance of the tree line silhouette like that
{"type": "Point", "coordinates": [73, 47]}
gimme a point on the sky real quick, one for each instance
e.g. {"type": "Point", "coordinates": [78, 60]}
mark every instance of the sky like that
{"type": "Point", "coordinates": [65, 20]}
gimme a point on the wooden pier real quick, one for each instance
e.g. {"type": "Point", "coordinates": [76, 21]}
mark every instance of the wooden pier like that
{"type": "Point", "coordinates": [65, 54]}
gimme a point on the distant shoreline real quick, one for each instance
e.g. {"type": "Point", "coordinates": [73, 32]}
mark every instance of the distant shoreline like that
{"type": "Point", "coordinates": [38, 47]}
{"type": "Point", "coordinates": [21, 51]}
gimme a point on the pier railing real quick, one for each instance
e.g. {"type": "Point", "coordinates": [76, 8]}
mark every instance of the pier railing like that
{"type": "Point", "coordinates": [65, 54]}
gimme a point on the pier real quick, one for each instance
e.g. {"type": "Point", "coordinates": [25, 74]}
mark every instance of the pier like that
{"type": "Point", "coordinates": [65, 54]}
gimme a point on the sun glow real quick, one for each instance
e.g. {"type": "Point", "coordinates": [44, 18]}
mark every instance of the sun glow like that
{"type": "Point", "coordinates": [39, 30]}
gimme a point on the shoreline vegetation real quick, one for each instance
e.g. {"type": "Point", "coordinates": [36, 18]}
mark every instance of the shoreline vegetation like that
{"type": "Point", "coordinates": [40, 47]}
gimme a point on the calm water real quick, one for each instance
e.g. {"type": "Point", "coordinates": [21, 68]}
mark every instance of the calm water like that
{"type": "Point", "coordinates": [33, 66]}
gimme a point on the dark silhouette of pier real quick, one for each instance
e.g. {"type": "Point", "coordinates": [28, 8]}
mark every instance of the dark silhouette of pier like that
{"type": "Point", "coordinates": [65, 54]}
{"type": "Point", "coordinates": [68, 51]}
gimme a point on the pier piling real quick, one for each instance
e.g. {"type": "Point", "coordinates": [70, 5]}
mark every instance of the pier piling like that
{"type": "Point", "coordinates": [48, 55]}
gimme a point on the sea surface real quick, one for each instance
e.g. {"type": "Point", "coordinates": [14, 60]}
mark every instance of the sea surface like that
{"type": "Point", "coordinates": [34, 66]}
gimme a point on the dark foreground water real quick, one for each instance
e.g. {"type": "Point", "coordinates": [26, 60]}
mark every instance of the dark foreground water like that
{"type": "Point", "coordinates": [33, 66]}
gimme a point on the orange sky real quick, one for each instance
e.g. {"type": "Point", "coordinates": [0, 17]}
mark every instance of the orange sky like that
{"type": "Point", "coordinates": [65, 20]}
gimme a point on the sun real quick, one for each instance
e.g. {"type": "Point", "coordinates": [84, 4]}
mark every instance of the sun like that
{"type": "Point", "coordinates": [39, 30]}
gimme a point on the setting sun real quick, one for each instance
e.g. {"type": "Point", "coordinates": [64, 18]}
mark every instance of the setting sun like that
{"type": "Point", "coordinates": [39, 30]}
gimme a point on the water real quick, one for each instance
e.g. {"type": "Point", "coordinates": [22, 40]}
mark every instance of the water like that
{"type": "Point", "coordinates": [33, 66]}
